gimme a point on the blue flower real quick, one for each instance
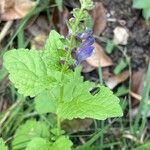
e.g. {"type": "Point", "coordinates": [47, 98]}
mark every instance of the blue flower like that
{"type": "Point", "coordinates": [85, 35]}
{"type": "Point", "coordinates": [86, 48]}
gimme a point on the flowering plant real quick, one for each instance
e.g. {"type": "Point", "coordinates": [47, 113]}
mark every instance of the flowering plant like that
{"type": "Point", "coordinates": [52, 76]}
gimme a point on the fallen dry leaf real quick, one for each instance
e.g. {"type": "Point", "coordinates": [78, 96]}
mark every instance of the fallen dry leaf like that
{"type": "Point", "coordinates": [99, 57]}
{"type": "Point", "coordinates": [59, 20]}
{"type": "Point", "coordinates": [137, 86]}
{"type": "Point", "coordinates": [113, 81]}
{"type": "Point", "coordinates": [15, 9]}
{"type": "Point", "coordinates": [99, 18]}
{"type": "Point", "coordinates": [38, 26]}
{"type": "Point", "coordinates": [138, 81]}
{"type": "Point", "coordinates": [134, 110]}
{"type": "Point", "coordinates": [106, 73]}
{"type": "Point", "coordinates": [5, 5]}
{"type": "Point", "coordinates": [64, 17]}
{"type": "Point", "coordinates": [86, 67]}
{"type": "Point", "coordinates": [137, 97]}
{"type": "Point", "coordinates": [38, 42]}
{"type": "Point", "coordinates": [76, 124]}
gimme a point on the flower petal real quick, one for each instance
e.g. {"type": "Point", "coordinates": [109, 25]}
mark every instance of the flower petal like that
{"type": "Point", "coordinates": [84, 52]}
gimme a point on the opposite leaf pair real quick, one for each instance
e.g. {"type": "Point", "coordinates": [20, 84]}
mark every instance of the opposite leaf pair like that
{"type": "Point", "coordinates": [37, 72]}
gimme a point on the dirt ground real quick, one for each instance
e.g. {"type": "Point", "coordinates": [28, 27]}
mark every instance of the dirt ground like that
{"type": "Point", "coordinates": [121, 13]}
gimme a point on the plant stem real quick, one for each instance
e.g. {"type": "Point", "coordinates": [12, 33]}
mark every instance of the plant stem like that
{"type": "Point", "coordinates": [58, 126]}
{"type": "Point", "coordinates": [69, 52]}
{"type": "Point", "coordinates": [71, 45]}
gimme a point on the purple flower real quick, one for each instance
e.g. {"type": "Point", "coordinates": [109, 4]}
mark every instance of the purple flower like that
{"type": "Point", "coordinates": [84, 53]}
{"type": "Point", "coordinates": [88, 32]}
{"type": "Point", "coordinates": [88, 41]}
{"type": "Point", "coordinates": [86, 48]}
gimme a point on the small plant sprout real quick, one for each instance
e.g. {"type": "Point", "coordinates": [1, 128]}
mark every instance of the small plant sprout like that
{"type": "Point", "coordinates": [53, 77]}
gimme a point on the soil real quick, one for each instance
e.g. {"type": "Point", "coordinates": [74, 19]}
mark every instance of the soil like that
{"type": "Point", "coordinates": [121, 13]}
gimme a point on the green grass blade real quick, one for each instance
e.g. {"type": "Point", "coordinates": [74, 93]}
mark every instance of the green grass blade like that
{"type": "Point", "coordinates": [143, 108]}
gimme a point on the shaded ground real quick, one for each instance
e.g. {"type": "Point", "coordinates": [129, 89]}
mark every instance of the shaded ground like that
{"type": "Point", "coordinates": [121, 13]}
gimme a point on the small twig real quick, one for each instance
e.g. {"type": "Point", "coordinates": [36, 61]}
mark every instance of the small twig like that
{"type": "Point", "coordinates": [6, 27]}
{"type": "Point", "coordinates": [143, 135]}
{"type": "Point", "coordinates": [81, 140]}
{"type": "Point", "coordinates": [131, 137]}
{"type": "Point", "coordinates": [138, 97]}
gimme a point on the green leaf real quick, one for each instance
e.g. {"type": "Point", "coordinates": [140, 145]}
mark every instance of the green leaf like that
{"type": "Point", "coordinates": [54, 51]}
{"type": "Point", "coordinates": [62, 143]}
{"type": "Point", "coordinates": [2, 145]}
{"type": "Point", "coordinates": [141, 3]}
{"type": "Point", "coordinates": [59, 4]}
{"type": "Point", "coordinates": [120, 66]}
{"type": "Point", "coordinates": [27, 71]}
{"type": "Point", "coordinates": [110, 46]}
{"type": "Point", "coordinates": [45, 100]}
{"type": "Point", "coordinates": [89, 22]}
{"type": "Point", "coordinates": [76, 13]}
{"type": "Point", "coordinates": [86, 148]}
{"type": "Point", "coordinates": [28, 131]}
{"type": "Point", "coordinates": [38, 144]}
{"type": "Point", "coordinates": [121, 91]}
{"type": "Point", "coordinates": [145, 146]}
{"type": "Point", "coordinates": [54, 42]}
{"type": "Point", "coordinates": [84, 18]}
{"type": "Point", "coordinates": [146, 13]}
{"type": "Point", "coordinates": [80, 103]}
{"type": "Point", "coordinates": [87, 4]}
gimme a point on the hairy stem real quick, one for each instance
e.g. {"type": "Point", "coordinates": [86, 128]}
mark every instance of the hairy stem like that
{"type": "Point", "coordinates": [71, 45]}
{"type": "Point", "coordinates": [58, 126]}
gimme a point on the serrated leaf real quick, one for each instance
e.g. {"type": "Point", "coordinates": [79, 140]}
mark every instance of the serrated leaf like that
{"type": "Point", "coordinates": [49, 98]}
{"type": "Point", "coordinates": [2, 145]}
{"type": "Point", "coordinates": [82, 104]}
{"type": "Point", "coordinates": [54, 42]}
{"type": "Point", "coordinates": [83, 16]}
{"type": "Point", "coordinates": [54, 51]}
{"type": "Point", "coordinates": [85, 20]}
{"type": "Point", "coordinates": [27, 71]}
{"type": "Point", "coordinates": [89, 22]}
{"type": "Point", "coordinates": [38, 144]}
{"type": "Point", "coordinates": [45, 100]}
{"type": "Point", "coordinates": [28, 131]}
{"type": "Point", "coordinates": [62, 143]}
{"type": "Point", "coordinates": [87, 4]}
{"type": "Point", "coordinates": [101, 106]}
